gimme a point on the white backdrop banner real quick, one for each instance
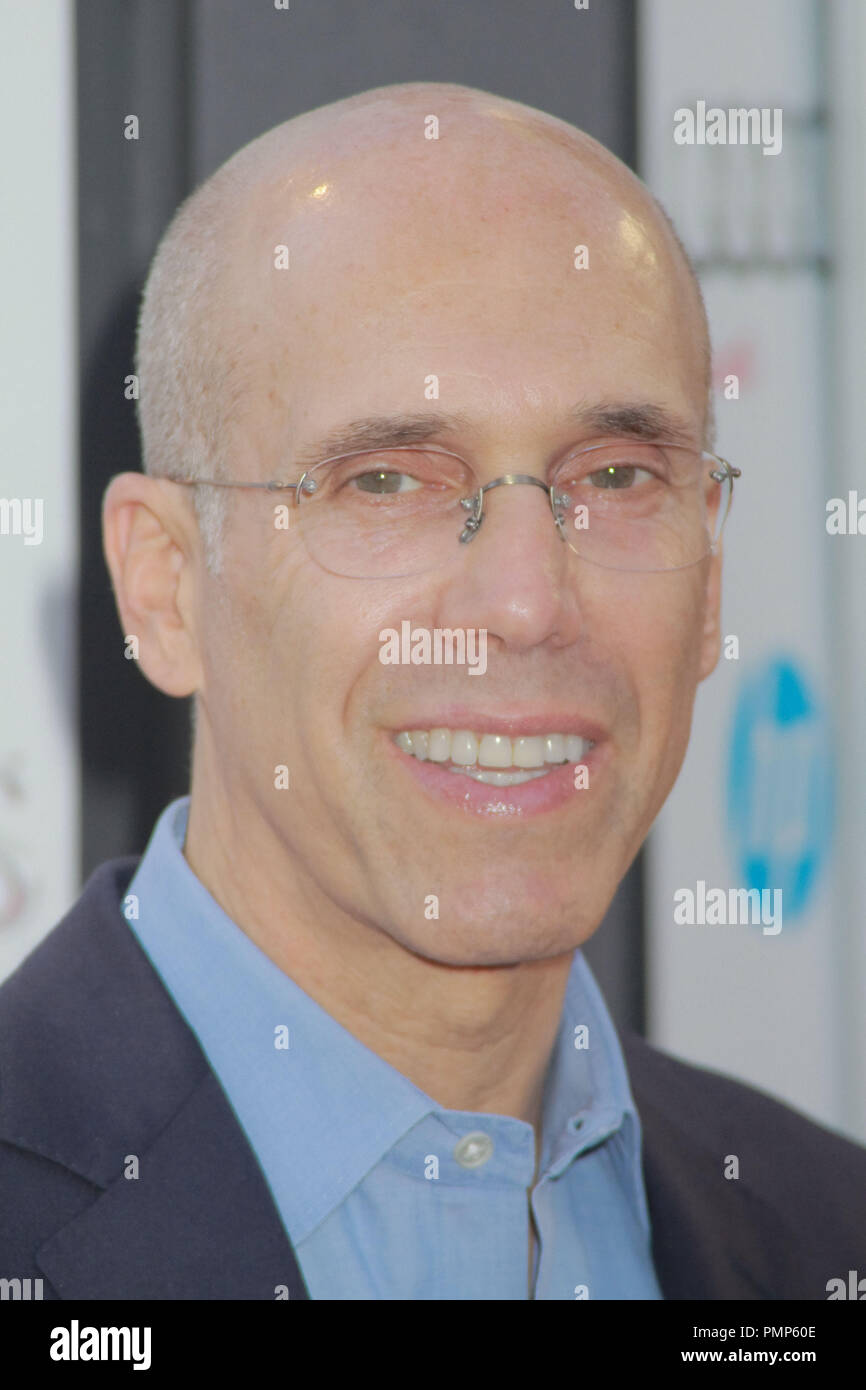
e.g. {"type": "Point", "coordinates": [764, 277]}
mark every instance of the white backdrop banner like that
{"type": "Point", "coordinates": [39, 768]}
{"type": "Point", "coordinates": [746, 921]}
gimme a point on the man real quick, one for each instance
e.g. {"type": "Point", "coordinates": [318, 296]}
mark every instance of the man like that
{"type": "Point", "coordinates": [333, 1036]}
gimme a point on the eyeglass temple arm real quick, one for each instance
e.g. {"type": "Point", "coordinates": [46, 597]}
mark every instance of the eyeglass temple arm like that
{"type": "Point", "coordinates": [213, 482]}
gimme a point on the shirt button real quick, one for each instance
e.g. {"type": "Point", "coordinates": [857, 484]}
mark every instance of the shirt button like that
{"type": "Point", "coordinates": [473, 1149]}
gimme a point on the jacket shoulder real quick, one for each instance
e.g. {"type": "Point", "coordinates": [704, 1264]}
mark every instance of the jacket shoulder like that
{"type": "Point", "coordinates": [60, 950]}
{"type": "Point", "coordinates": [748, 1180]}
{"type": "Point", "coordinates": [97, 1063]}
{"type": "Point", "coordinates": [85, 1027]}
{"type": "Point", "coordinates": [92, 1052]}
{"type": "Point", "coordinates": [715, 1109]}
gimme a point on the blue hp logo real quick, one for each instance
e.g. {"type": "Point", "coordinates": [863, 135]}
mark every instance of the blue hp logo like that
{"type": "Point", "coordinates": [780, 783]}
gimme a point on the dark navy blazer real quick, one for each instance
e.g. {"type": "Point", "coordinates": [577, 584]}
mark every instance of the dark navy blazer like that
{"type": "Point", "coordinates": [97, 1065]}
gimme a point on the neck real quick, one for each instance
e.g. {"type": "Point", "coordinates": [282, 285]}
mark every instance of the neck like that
{"type": "Point", "coordinates": [473, 1038]}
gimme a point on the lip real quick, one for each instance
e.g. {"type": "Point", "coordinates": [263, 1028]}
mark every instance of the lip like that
{"type": "Point", "coordinates": [540, 796]}
{"type": "Point", "coordinates": [515, 725]}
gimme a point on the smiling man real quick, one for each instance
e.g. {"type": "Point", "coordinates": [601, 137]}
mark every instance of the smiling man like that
{"type": "Point", "coordinates": [333, 1035]}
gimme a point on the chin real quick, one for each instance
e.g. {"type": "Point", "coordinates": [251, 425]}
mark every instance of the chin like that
{"type": "Point", "coordinates": [498, 941]}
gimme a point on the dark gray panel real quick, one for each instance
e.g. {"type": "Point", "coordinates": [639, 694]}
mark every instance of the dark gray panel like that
{"type": "Point", "coordinates": [131, 60]}
{"type": "Point", "coordinates": [257, 66]}
{"type": "Point", "coordinates": [616, 953]}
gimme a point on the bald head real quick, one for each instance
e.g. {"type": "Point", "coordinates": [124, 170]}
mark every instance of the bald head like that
{"type": "Point", "coordinates": [400, 195]}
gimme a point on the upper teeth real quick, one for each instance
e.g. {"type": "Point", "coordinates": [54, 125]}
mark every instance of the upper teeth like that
{"type": "Point", "coordinates": [465, 748]}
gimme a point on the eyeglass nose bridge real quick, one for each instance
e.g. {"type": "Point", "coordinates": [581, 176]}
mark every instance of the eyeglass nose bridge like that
{"type": "Point", "coordinates": [475, 504]}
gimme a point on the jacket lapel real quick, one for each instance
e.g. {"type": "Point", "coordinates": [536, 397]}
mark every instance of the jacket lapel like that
{"type": "Point", "coordinates": [198, 1222]}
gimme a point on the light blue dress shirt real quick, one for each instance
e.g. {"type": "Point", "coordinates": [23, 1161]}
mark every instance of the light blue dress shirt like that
{"type": "Point", "coordinates": [382, 1192]}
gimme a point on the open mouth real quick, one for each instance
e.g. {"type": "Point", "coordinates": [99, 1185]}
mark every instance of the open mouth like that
{"type": "Point", "coordinates": [494, 759]}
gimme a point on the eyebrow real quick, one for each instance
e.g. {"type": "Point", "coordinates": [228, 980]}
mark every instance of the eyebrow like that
{"type": "Point", "coordinates": [630, 419]}
{"type": "Point", "coordinates": [636, 420]}
{"type": "Point", "coordinates": [382, 432]}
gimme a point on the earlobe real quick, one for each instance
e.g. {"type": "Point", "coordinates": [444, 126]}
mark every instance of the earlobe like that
{"type": "Point", "coordinates": [149, 552]}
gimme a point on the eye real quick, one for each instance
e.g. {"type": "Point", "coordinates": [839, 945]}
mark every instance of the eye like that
{"type": "Point", "coordinates": [631, 470]}
{"type": "Point", "coordinates": [384, 481]}
{"type": "Point", "coordinates": [618, 475]}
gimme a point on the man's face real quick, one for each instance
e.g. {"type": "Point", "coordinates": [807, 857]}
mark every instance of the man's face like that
{"type": "Point", "coordinates": [470, 276]}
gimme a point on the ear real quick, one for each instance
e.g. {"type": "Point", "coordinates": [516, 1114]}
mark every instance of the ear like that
{"type": "Point", "coordinates": [152, 549]}
{"type": "Point", "coordinates": [712, 635]}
